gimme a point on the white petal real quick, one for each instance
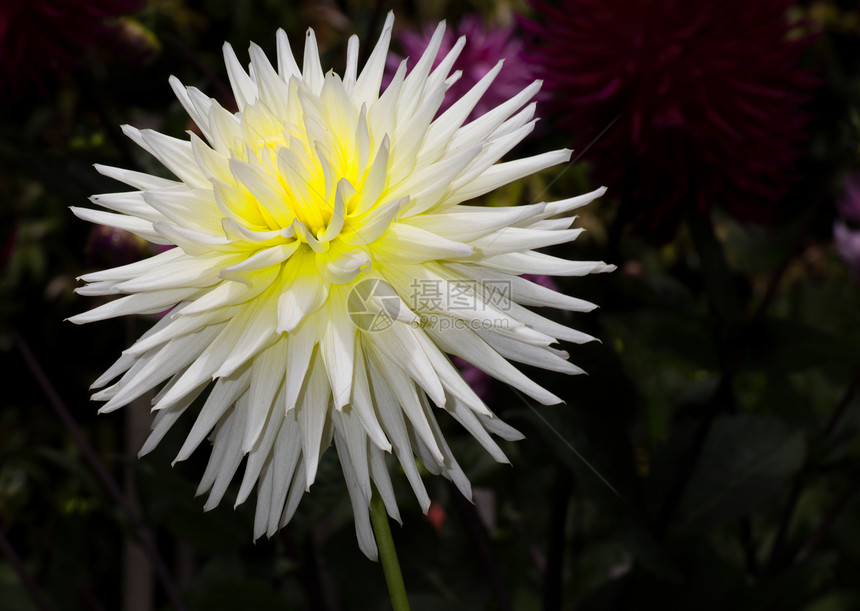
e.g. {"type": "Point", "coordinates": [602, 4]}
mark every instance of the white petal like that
{"type": "Point", "coordinates": [181, 272]}
{"type": "Point", "coordinates": [312, 73]}
{"type": "Point", "coordinates": [230, 435]}
{"type": "Point", "coordinates": [171, 358]}
{"type": "Point", "coordinates": [249, 332]}
{"type": "Point", "coordinates": [162, 423]}
{"type": "Point", "coordinates": [362, 403]}
{"type": "Point", "coordinates": [486, 124]}
{"type": "Point", "coordinates": [338, 351]}
{"type": "Point", "coordinates": [351, 72]}
{"type": "Point", "coordinates": [398, 343]}
{"type": "Point", "coordinates": [466, 344]}
{"type": "Point", "coordinates": [391, 417]}
{"type": "Point", "coordinates": [367, 86]}
{"type": "Point", "coordinates": [407, 396]}
{"type": "Point", "coordinates": [513, 239]}
{"type": "Point", "coordinates": [265, 496]}
{"type": "Point", "coordinates": [299, 352]}
{"type": "Point", "coordinates": [470, 422]}
{"type": "Point", "coordinates": [407, 244]}
{"type": "Point", "coordinates": [504, 173]}
{"type": "Point", "coordinates": [528, 354]}
{"type": "Point", "coordinates": [303, 294]}
{"type": "Point", "coordinates": [200, 115]}
{"type": "Point", "coordinates": [350, 434]}
{"type": "Point", "coordinates": [137, 226]}
{"type": "Point", "coordinates": [258, 457]}
{"type": "Point", "coordinates": [127, 272]}
{"type": "Point", "coordinates": [287, 66]}
{"type": "Point", "coordinates": [267, 375]}
{"type": "Point", "coordinates": [141, 303]}
{"type": "Point", "coordinates": [467, 223]}
{"type": "Point", "coordinates": [382, 481]}
{"type": "Point", "coordinates": [363, 529]}
{"type": "Point", "coordinates": [285, 459]}
{"type": "Point", "coordinates": [131, 203]}
{"type": "Point", "coordinates": [272, 89]}
{"type": "Point", "coordinates": [191, 207]}
{"type": "Point", "coordinates": [541, 264]}
{"type": "Point", "coordinates": [175, 154]}
{"type": "Point", "coordinates": [564, 206]}
{"type": "Point", "coordinates": [223, 395]}
{"type": "Point", "coordinates": [138, 180]}
{"type": "Point", "coordinates": [449, 122]}
{"type": "Point", "coordinates": [374, 224]}
{"type": "Point", "coordinates": [312, 414]}
{"type": "Point", "coordinates": [240, 289]}
{"type": "Point", "coordinates": [244, 88]}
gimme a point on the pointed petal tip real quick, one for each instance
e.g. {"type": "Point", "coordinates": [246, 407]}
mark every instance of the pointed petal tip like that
{"type": "Point", "coordinates": [77, 211]}
{"type": "Point", "coordinates": [102, 395]}
{"type": "Point", "coordinates": [605, 268]}
{"type": "Point", "coordinates": [129, 130]}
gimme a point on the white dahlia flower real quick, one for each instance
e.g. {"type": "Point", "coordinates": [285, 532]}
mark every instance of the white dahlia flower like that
{"type": "Point", "coordinates": [325, 267]}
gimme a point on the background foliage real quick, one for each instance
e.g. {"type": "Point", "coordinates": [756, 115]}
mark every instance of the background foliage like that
{"type": "Point", "coordinates": [710, 459]}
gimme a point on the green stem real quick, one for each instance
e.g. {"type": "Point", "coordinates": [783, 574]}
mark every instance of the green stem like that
{"type": "Point", "coordinates": [388, 555]}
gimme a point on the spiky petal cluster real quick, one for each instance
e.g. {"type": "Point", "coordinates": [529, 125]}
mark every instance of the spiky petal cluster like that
{"type": "Point", "coordinates": [288, 208]}
{"type": "Point", "coordinates": [690, 103]}
{"type": "Point", "coordinates": [482, 46]}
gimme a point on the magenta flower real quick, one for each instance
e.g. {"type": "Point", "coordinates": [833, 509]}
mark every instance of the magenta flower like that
{"type": "Point", "coordinates": [484, 47]}
{"type": "Point", "coordinates": [41, 37]}
{"type": "Point", "coordinates": [701, 102]}
{"type": "Point", "coordinates": [847, 239]}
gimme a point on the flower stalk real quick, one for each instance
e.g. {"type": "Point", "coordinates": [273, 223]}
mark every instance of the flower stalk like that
{"type": "Point", "coordinates": [388, 555]}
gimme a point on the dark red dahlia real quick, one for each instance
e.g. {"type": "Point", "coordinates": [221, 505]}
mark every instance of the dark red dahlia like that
{"type": "Point", "coordinates": [42, 37]}
{"type": "Point", "coordinates": [701, 100]}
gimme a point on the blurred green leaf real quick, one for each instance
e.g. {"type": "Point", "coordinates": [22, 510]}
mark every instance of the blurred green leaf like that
{"type": "Point", "coordinates": [784, 346]}
{"type": "Point", "coordinates": [240, 594]}
{"type": "Point", "coordinates": [836, 601]}
{"type": "Point", "coordinates": [171, 502]}
{"type": "Point", "coordinates": [789, 589]}
{"type": "Point", "coordinates": [13, 596]}
{"type": "Point", "coordinates": [745, 460]}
